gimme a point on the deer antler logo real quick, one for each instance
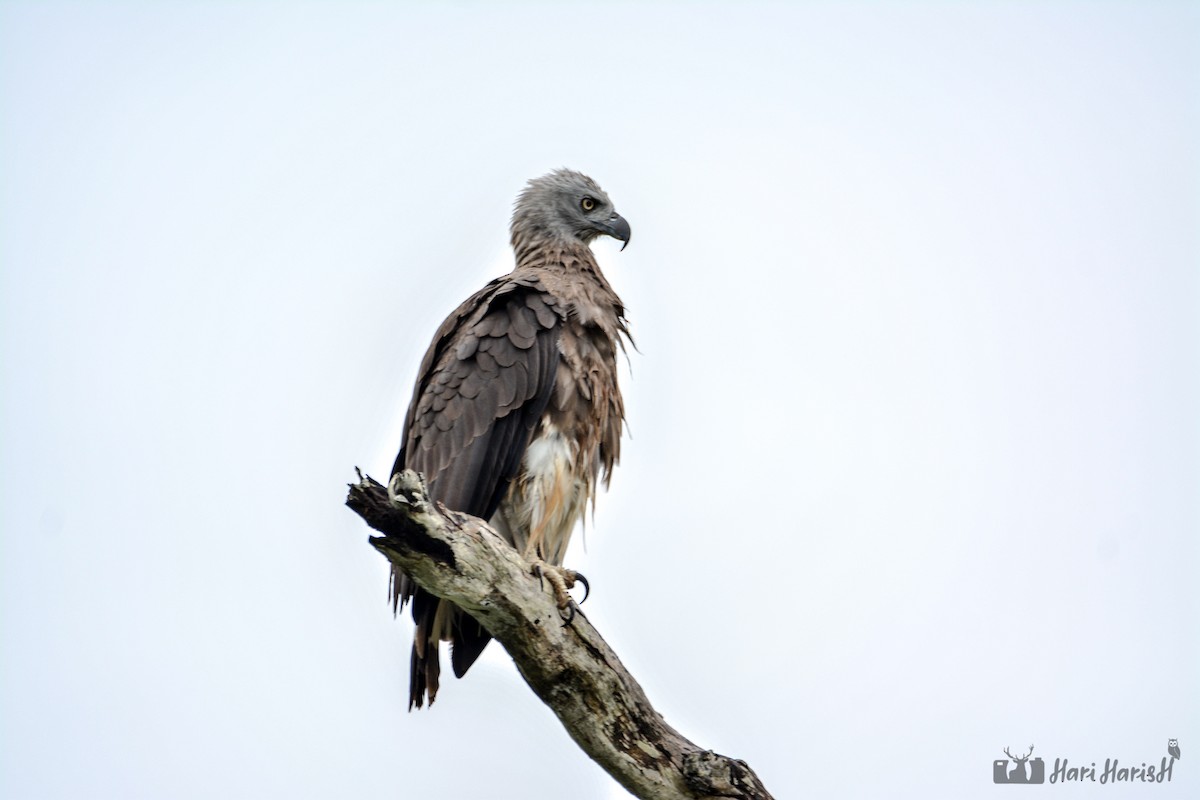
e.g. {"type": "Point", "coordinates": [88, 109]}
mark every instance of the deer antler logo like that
{"type": "Point", "coordinates": [1019, 774]}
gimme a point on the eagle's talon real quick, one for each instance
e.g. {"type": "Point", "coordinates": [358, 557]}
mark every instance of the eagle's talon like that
{"type": "Point", "coordinates": [560, 580]}
{"type": "Point", "coordinates": [571, 577]}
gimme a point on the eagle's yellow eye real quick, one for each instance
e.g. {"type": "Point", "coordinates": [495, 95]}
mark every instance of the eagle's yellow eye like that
{"type": "Point", "coordinates": [587, 204]}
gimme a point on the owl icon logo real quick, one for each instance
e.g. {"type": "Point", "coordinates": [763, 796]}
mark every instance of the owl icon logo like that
{"type": "Point", "coordinates": [1173, 748]}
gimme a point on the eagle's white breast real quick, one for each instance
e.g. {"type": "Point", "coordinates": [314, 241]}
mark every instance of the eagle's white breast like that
{"type": "Point", "coordinates": [547, 498]}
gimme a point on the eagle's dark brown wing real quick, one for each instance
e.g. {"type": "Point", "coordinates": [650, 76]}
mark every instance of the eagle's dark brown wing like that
{"type": "Point", "coordinates": [483, 387]}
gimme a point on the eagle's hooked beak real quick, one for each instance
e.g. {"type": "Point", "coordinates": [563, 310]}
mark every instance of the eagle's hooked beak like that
{"type": "Point", "coordinates": [618, 228]}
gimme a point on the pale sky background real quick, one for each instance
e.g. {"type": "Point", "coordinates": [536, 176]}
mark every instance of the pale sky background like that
{"type": "Point", "coordinates": [914, 472]}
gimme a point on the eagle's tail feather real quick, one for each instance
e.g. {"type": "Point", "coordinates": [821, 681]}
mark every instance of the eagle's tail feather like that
{"type": "Point", "coordinates": [425, 668]}
{"type": "Point", "coordinates": [436, 621]}
{"type": "Point", "coordinates": [468, 641]}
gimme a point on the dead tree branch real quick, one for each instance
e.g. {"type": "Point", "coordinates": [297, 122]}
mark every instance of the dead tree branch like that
{"type": "Point", "coordinates": [574, 672]}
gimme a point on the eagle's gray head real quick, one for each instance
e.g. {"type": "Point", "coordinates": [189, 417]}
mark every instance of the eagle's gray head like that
{"type": "Point", "coordinates": [566, 205]}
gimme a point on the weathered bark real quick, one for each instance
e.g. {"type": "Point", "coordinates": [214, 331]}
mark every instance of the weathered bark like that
{"type": "Point", "coordinates": [574, 672]}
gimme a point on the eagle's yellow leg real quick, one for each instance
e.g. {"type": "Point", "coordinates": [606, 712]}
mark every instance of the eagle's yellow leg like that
{"type": "Point", "coordinates": [561, 580]}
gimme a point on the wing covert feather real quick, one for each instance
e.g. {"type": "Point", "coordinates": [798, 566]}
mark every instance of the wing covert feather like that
{"type": "Point", "coordinates": [484, 384]}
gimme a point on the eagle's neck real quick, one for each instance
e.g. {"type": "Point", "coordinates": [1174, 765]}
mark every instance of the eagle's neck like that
{"type": "Point", "coordinates": [567, 268]}
{"type": "Point", "coordinates": [538, 248]}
